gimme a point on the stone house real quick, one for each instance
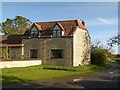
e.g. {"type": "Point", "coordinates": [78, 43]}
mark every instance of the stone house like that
{"type": "Point", "coordinates": [64, 43]}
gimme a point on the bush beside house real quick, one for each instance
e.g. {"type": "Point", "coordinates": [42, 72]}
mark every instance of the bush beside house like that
{"type": "Point", "coordinates": [100, 55]}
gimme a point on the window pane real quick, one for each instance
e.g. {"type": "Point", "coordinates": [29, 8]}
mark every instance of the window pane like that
{"type": "Point", "coordinates": [34, 33]}
{"type": "Point", "coordinates": [33, 53]}
{"type": "Point", "coordinates": [58, 33]}
{"type": "Point", "coordinates": [54, 33]}
{"type": "Point", "coordinates": [39, 33]}
{"type": "Point", "coordinates": [56, 53]}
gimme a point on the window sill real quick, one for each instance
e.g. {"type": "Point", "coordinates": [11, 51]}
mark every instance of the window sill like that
{"type": "Point", "coordinates": [56, 58]}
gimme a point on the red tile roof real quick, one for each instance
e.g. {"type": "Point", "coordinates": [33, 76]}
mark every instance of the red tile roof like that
{"type": "Point", "coordinates": [14, 39]}
{"type": "Point", "coordinates": [11, 40]}
{"type": "Point", "coordinates": [67, 25]}
{"type": "Point", "coordinates": [3, 39]}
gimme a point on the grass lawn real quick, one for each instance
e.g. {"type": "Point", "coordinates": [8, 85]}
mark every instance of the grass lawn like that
{"type": "Point", "coordinates": [27, 74]}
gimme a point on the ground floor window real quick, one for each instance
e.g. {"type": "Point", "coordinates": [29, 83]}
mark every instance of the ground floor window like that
{"type": "Point", "coordinates": [56, 53]}
{"type": "Point", "coordinates": [33, 53]}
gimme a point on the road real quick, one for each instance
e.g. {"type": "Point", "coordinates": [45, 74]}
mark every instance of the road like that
{"type": "Point", "coordinates": [109, 78]}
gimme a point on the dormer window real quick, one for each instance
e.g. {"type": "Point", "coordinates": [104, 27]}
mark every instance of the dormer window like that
{"type": "Point", "coordinates": [56, 31]}
{"type": "Point", "coordinates": [39, 33]}
{"type": "Point", "coordinates": [34, 32]}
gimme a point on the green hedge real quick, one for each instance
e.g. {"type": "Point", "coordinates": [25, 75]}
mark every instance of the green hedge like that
{"type": "Point", "coordinates": [78, 68]}
{"type": "Point", "coordinates": [98, 58]}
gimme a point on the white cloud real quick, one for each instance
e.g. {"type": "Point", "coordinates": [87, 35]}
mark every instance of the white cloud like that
{"type": "Point", "coordinates": [104, 21]}
{"type": "Point", "coordinates": [100, 21]}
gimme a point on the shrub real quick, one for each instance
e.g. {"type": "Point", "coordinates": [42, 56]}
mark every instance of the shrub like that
{"type": "Point", "coordinates": [4, 53]}
{"type": "Point", "coordinates": [22, 57]}
{"type": "Point", "coordinates": [78, 68]}
{"type": "Point", "coordinates": [99, 54]}
{"type": "Point", "coordinates": [59, 68]}
{"type": "Point", "coordinates": [98, 58]}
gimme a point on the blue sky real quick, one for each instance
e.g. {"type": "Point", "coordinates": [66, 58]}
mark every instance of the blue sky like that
{"type": "Point", "coordinates": [59, 0]}
{"type": "Point", "coordinates": [101, 17]}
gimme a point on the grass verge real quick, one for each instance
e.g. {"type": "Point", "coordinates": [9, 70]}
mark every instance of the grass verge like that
{"type": "Point", "coordinates": [41, 72]}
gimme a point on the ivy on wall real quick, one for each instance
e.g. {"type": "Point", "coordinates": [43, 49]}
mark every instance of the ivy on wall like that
{"type": "Point", "coordinates": [86, 51]}
{"type": "Point", "coordinates": [4, 53]}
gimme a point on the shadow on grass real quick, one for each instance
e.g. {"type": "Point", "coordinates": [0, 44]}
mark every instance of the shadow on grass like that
{"type": "Point", "coordinates": [89, 84]}
{"type": "Point", "coordinates": [28, 86]}
{"type": "Point", "coordinates": [15, 83]}
{"type": "Point", "coordinates": [10, 80]}
{"type": "Point", "coordinates": [25, 86]}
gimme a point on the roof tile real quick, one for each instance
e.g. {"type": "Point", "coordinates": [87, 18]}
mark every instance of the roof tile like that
{"type": "Point", "coordinates": [67, 25]}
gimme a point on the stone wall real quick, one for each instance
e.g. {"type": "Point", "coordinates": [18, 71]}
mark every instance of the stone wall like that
{"type": "Point", "coordinates": [81, 47]}
{"type": "Point", "coordinates": [15, 52]}
{"type": "Point", "coordinates": [25, 63]}
{"type": "Point", "coordinates": [44, 46]}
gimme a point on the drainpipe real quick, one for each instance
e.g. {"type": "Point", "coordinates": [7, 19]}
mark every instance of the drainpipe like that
{"type": "Point", "coordinates": [44, 49]}
{"type": "Point", "coordinates": [22, 51]}
{"type": "Point", "coordinates": [7, 52]}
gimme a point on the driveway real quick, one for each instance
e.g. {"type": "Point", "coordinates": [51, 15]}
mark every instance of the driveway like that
{"type": "Point", "coordinates": [109, 78]}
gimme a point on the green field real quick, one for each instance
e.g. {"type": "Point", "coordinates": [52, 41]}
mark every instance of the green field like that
{"type": "Point", "coordinates": [27, 74]}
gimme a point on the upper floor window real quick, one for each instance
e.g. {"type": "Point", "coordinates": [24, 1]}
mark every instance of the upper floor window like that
{"type": "Point", "coordinates": [57, 32]}
{"type": "Point", "coordinates": [34, 32]}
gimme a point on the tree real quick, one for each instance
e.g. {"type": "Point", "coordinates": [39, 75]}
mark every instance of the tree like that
{"type": "Point", "coordinates": [18, 25]}
{"type": "Point", "coordinates": [115, 40]}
